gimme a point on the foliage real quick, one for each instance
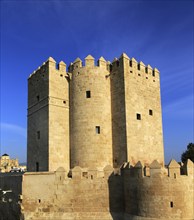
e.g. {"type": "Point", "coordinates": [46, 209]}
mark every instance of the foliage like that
{"type": "Point", "coordinates": [189, 153]}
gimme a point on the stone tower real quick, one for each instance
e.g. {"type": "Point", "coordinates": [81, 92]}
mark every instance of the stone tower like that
{"type": "Point", "coordinates": [48, 118]}
{"type": "Point", "coordinates": [136, 112]}
{"type": "Point", "coordinates": [91, 127]}
{"type": "Point", "coordinates": [94, 115]}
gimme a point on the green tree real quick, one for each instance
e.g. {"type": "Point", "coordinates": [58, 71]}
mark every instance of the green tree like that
{"type": "Point", "coordinates": [189, 153]}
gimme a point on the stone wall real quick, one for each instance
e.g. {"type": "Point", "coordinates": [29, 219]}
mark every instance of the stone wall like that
{"type": "Point", "coordinates": [158, 196]}
{"type": "Point", "coordinates": [10, 196]}
{"type": "Point", "coordinates": [89, 194]}
{"type": "Point", "coordinates": [129, 193]}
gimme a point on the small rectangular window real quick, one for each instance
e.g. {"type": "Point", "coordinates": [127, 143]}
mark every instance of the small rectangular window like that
{"type": "Point", "coordinates": [130, 63]}
{"type": "Point", "coordinates": [146, 70]}
{"type": "Point", "coordinates": [37, 166]}
{"type": "Point", "coordinates": [38, 134]}
{"type": "Point", "coordinates": [171, 204]}
{"type": "Point", "coordinates": [153, 73]}
{"type": "Point", "coordinates": [97, 129]}
{"type": "Point", "coordinates": [138, 66]}
{"type": "Point", "coordinates": [138, 116]}
{"type": "Point", "coordinates": [88, 94]}
{"type": "Point", "coordinates": [150, 112]}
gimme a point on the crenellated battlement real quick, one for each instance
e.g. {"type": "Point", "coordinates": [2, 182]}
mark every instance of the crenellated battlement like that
{"type": "Point", "coordinates": [132, 65]}
{"type": "Point", "coordinates": [48, 65]}
{"type": "Point", "coordinates": [89, 63]}
{"type": "Point", "coordinates": [172, 170]}
{"type": "Point", "coordinates": [139, 170]}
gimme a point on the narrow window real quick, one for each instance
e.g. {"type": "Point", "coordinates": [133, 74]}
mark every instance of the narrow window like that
{"type": "Point", "coordinates": [146, 70]}
{"type": "Point", "coordinates": [150, 112]}
{"type": "Point", "coordinates": [97, 129]}
{"type": "Point", "coordinates": [37, 166]}
{"type": "Point", "coordinates": [138, 66]}
{"type": "Point", "coordinates": [91, 177]}
{"type": "Point", "coordinates": [153, 73]}
{"type": "Point", "coordinates": [88, 94]}
{"type": "Point", "coordinates": [39, 201]}
{"type": "Point", "coordinates": [175, 175]}
{"type": "Point", "coordinates": [138, 116]}
{"type": "Point", "coordinates": [38, 134]}
{"type": "Point", "coordinates": [117, 63]}
{"type": "Point", "coordinates": [130, 63]}
{"type": "Point", "coordinates": [37, 98]}
{"type": "Point", "coordinates": [171, 204]}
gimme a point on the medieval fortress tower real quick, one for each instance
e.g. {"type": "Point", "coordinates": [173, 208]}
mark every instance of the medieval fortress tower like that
{"type": "Point", "coordinates": [94, 115]}
{"type": "Point", "coordinates": [95, 146]}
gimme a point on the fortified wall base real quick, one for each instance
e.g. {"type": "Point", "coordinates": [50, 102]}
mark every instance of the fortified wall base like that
{"type": "Point", "coordinates": [10, 191]}
{"type": "Point", "coordinates": [129, 193]}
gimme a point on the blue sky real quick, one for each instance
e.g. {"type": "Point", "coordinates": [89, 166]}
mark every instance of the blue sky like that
{"type": "Point", "coordinates": [159, 33]}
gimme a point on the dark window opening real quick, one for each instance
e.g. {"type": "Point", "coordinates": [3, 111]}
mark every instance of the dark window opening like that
{"type": "Point", "coordinates": [37, 166]}
{"type": "Point", "coordinates": [85, 174]}
{"type": "Point", "coordinates": [146, 70]}
{"type": "Point", "coordinates": [138, 116]}
{"type": "Point", "coordinates": [117, 63]}
{"type": "Point", "coordinates": [150, 112]}
{"type": "Point", "coordinates": [39, 200]}
{"type": "Point", "coordinates": [88, 94]}
{"type": "Point", "coordinates": [130, 63]}
{"type": "Point", "coordinates": [139, 74]}
{"type": "Point", "coordinates": [97, 129]}
{"type": "Point", "coordinates": [175, 175]}
{"type": "Point", "coordinates": [92, 177]}
{"type": "Point", "coordinates": [138, 66]}
{"type": "Point", "coordinates": [61, 75]}
{"type": "Point", "coordinates": [64, 102]}
{"type": "Point", "coordinates": [171, 204]}
{"type": "Point", "coordinates": [146, 77]}
{"type": "Point", "coordinates": [131, 71]}
{"type": "Point", "coordinates": [153, 73]}
{"type": "Point", "coordinates": [38, 98]}
{"type": "Point", "coordinates": [38, 134]}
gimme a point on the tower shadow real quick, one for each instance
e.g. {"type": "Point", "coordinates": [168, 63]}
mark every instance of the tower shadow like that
{"type": "Point", "coordinates": [116, 196]}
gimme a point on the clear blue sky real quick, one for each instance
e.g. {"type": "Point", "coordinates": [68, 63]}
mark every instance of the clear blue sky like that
{"type": "Point", "coordinates": [159, 33]}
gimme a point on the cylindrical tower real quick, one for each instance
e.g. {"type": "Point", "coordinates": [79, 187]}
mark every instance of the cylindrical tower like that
{"type": "Point", "coordinates": [90, 114]}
